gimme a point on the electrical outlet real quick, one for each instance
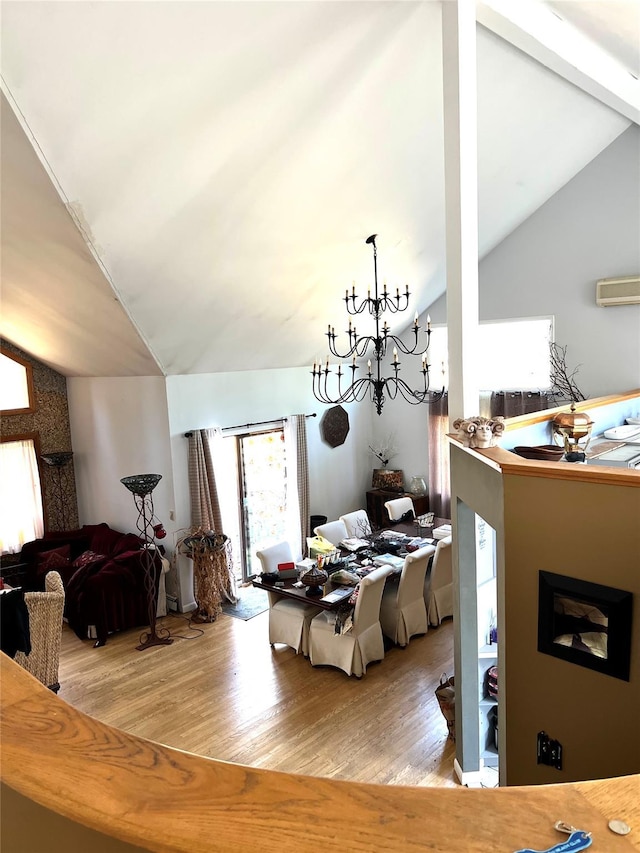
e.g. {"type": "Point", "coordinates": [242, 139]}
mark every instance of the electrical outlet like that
{"type": "Point", "coordinates": [549, 751]}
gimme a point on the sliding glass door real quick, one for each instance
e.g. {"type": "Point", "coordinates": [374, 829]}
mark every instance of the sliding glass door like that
{"type": "Point", "coordinates": [254, 512]}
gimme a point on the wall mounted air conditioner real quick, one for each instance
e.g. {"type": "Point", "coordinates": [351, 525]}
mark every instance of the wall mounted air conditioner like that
{"type": "Point", "coordinates": [618, 291]}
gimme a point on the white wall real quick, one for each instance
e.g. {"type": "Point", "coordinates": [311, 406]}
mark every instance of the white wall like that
{"type": "Point", "coordinates": [589, 229]}
{"type": "Point", "coordinates": [119, 426]}
{"type": "Point", "coordinates": [338, 476]}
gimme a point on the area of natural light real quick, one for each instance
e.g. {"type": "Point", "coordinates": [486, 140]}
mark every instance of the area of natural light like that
{"type": "Point", "coordinates": [527, 367]}
{"type": "Point", "coordinates": [14, 389]}
{"type": "Point", "coordinates": [21, 518]}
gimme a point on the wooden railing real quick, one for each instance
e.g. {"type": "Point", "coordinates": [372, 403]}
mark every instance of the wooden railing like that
{"type": "Point", "coordinates": [136, 792]}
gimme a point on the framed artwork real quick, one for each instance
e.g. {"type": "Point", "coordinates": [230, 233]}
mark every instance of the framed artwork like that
{"type": "Point", "coordinates": [585, 623]}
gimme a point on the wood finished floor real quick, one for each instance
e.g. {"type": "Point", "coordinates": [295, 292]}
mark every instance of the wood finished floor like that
{"type": "Point", "coordinates": [228, 695]}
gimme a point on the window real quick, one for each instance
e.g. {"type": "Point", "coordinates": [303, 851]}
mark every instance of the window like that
{"type": "Point", "coordinates": [21, 517]}
{"type": "Point", "coordinates": [515, 354]}
{"type": "Point", "coordinates": [16, 384]}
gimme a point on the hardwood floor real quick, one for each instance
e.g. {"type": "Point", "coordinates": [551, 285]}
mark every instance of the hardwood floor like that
{"type": "Point", "coordinates": [226, 694]}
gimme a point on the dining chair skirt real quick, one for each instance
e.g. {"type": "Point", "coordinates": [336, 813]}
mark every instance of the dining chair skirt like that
{"type": "Point", "coordinates": [438, 585]}
{"type": "Point", "coordinates": [403, 612]}
{"type": "Point", "coordinates": [289, 623]}
{"type": "Point", "coordinates": [363, 644]}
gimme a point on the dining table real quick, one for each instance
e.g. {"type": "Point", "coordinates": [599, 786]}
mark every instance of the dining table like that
{"type": "Point", "coordinates": [288, 589]}
{"type": "Point", "coordinates": [335, 595]}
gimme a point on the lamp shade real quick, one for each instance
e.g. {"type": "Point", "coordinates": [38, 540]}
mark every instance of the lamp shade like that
{"type": "Point", "coordinates": [57, 460]}
{"type": "Point", "coordinates": [141, 484]}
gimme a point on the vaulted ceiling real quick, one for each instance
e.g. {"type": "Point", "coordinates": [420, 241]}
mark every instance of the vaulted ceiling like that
{"type": "Point", "coordinates": [187, 186]}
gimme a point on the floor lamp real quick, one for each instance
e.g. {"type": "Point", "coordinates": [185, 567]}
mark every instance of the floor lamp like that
{"type": "Point", "coordinates": [141, 486]}
{"type": "Point", "coordinates": [60, 490]}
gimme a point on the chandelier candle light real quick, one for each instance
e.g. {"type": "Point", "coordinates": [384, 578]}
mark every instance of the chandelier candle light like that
{"type": "Point", "coordinates": [377, 386]}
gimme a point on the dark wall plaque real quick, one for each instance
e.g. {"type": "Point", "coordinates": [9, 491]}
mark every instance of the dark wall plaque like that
{"type": "Point", "coordinates": [334, 426]}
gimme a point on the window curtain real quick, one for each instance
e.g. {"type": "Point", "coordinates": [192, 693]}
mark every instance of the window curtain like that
{"type": "Point", "coordinates": [213, 577]}
{"type": "Point", "coordinates": [439, 481]}
{"type": "Point", "coordinates": [205, 507]}
{"type": "Point", "coordinates": [510, 404]}
{"type": "Point", "coordinates": [20, 496]}
{"type": "Point", "coordinates": [295, 436]}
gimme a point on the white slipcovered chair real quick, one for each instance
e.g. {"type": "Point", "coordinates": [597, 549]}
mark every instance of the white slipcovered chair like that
{"type": "Point", "coordinates": [438, 585]}
{"type": "Point", "coordinates": [333, 531]}
{"type": "Point", "coordinates": [357, 523]}
{"type": "Point", "coordinates": [403, 612]}
{"type": "Point", "coordinates": [45, 626]}
{"type": "Point", "coordinates": [399, 507]}
{"type": "Point", "coordinates": [289, 620]}
{"type": "Point", "coordinates": [361, 645]}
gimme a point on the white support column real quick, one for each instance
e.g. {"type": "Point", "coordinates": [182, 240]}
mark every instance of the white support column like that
{"type": "Point", "coordinates": [461, 203]}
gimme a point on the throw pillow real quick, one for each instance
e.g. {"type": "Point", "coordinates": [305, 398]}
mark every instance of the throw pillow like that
{"type": "Point", "coordinates": [102, 539]}
{"type": "Point", "coordinates": [127, 542]}
{"type": "Point", "coordinates": [86, 558]}
{"type": "Point", "coordinates": [57, 558]}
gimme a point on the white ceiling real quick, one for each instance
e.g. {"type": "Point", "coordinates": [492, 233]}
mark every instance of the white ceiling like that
{"type": "Point", "coordinates": [189, 185]}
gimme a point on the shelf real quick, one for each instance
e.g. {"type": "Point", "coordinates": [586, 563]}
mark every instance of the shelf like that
{"type": "Point", "coordinates": [487, 701]}
{"type": "Point", "coordinates": [488, 651]}
{"type": "Point", "coordinates": [489, 756]}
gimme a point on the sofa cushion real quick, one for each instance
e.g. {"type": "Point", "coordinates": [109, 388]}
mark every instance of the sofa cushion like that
{"type": "Point", "coordinates": [127, 543]}
{"type": "Point", "coordinates": [102, 538]}
{"type": "Point", "coordinates": [54, 559]}
{"type": "Point", "coordinates": [88, 557]}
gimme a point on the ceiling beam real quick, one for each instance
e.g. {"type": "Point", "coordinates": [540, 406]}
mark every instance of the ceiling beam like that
{"type": "Point", "coordinates": [542, 34]}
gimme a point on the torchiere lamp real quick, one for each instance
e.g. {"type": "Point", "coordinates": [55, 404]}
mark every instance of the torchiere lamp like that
{"type": "Point", "coordinates": [61, 487]}
{"type": "Point", "coordinates": [141, 486]}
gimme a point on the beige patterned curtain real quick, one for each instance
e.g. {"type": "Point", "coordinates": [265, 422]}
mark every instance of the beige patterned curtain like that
{"type": "Point", "coordinates": [295, 431]}
{"type": "Point", "coordinates": [205, 508]}
{"type": "Point", "coordinates": [439, 480]}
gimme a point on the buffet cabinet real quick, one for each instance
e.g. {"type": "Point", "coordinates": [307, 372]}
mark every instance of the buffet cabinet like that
{"type": "Point", "coordinates": [376, 499]}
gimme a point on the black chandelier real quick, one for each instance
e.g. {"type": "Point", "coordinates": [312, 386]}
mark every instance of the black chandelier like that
{"type": "Point", "coordinates": [374, 384]}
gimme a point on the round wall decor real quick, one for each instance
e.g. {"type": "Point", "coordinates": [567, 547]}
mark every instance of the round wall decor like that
{"type": "Point", "coordinates": [334, 426]}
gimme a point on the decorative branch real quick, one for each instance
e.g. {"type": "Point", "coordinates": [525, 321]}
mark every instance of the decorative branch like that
{"type": "Point", "coordinates": [563, 383]}
{"type": "Point", "coordinates": [385, 451]}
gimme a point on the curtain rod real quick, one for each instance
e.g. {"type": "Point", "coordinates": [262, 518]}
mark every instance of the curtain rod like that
{"type": "Point", "coordinates": [257, 423]}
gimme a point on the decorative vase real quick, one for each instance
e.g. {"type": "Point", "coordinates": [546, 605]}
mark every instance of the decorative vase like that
{"type": "Point", "coordinates": [418, 486]}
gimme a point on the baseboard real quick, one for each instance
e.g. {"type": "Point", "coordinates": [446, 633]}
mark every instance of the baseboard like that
{"type": "Point", "coordinates": [486, 777]}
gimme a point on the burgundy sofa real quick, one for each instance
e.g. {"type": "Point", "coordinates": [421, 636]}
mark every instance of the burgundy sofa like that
{"type": "Point", "coordinates": [103, 574]}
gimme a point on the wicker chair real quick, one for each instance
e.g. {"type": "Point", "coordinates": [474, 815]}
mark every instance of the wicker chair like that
{"type": "Point", "coordinates": [45, 626]}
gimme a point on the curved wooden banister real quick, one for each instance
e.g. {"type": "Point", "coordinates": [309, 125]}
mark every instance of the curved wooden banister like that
{"type": "Point", "coordinates": [162, 799]}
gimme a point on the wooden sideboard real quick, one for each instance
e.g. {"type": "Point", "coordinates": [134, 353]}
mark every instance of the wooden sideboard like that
{"type": "Point", "coordinates": [376, 499]}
